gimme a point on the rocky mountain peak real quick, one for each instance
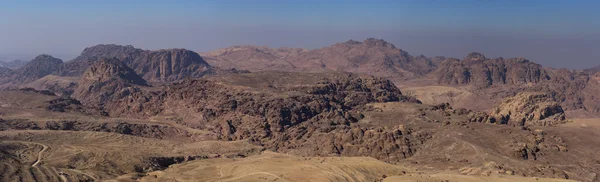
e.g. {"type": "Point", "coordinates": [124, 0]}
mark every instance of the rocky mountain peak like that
{"type": "Point", "coordinates": [373, 42]}
{"type": "Point", "coordinates": [109, 50]}
{"type": "Point", "coordinates": [111, 68]}
{"type": "Point", "coordinates": [475, 56]}
{"type": "Point", "coordinates": [38, 67]}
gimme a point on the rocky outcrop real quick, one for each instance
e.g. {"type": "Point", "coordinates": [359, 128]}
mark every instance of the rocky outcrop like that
{"type": "Point", "coordinates": [155, 66]}
{"type": "Point", "coordinates": [105, 81]}
{"type": "Point", "coordinates": [168, 65]}
{"type": "Point", "coordinates": [529, 108]}
{"type": "Point", "coordinates": [476, 69]}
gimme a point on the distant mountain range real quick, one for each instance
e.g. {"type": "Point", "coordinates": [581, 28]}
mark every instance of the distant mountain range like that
{"type": "Point", "coordinates": [485, 79]}
{"type": "Point", "coordinates": [14, 64]}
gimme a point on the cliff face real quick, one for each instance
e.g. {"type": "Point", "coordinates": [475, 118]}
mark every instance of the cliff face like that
{"type": "Point", "coordinates": [168, 65]}
{"type": "Point", "coordinates": [480, 71]}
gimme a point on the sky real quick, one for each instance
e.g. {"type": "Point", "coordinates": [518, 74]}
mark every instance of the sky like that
{"type": "Point", "coordinates": [555, 33]}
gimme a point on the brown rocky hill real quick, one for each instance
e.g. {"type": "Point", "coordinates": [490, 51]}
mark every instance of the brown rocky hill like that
{"type": "Point", "coordinates": [480, 71]}
{"type": "Point", "coordinates": [38, 67]}
{"type": "Point", "coordinates": [107, 79]}
{"type": "Point", "coordinates": [253, 58]}
{"type": "Point", "coordinates": [155, 66]}
{"type": "Point", "coordinates": [371, 56]}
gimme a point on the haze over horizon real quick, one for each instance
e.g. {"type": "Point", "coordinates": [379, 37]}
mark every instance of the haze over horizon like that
{"type": "Point", "coordinates": [553, 33]}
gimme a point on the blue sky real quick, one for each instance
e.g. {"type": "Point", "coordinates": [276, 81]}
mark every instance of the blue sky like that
{"type": "Point", "coordinates": [553, 33]}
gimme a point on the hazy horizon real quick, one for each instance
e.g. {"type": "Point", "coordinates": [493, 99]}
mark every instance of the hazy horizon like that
{"type": "Point", "coordinates": [553, 33]}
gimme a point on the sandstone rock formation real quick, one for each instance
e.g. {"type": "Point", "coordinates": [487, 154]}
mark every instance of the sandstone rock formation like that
{"type": "Point", "coordinates": [154, 66]}
{"type": "Point", "coordinates": [478, 70]}
{"type": "Point", "coordinates": [529, 108]}
{"type": "Point", "coordinates": [106, 80]}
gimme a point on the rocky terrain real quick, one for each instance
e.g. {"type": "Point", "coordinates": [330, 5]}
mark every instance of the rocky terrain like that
{"type": "Point", "coordinates": [353, 111]}
{"type": "Point", "coordinates": [479, 77]}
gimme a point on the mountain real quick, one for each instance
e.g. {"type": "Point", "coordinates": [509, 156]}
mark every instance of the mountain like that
{"type": "Point", "coordinates": [476, 69]}
{"type": "Point", "coordinates": [253, 58]}
{"type": "Point", "coordinates": [372, 56]}
{"type": "Point", "coordinates": [155, 66]}
{"type": "Point", "coordinates": [593, 70]}
{"type": "Point", "coordinates": [107, 79]}
{"type": "Point", "coordinates": [37, 68]}
{"type": "Point", "coordinates": [13, 64]}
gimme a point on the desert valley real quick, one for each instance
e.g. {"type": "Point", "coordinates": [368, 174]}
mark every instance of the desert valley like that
{"type": "Point", "coordinates": [353, 111]}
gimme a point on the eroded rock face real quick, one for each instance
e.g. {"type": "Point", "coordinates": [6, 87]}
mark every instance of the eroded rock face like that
{"type": "Point", "coordinates": [478, 70]}
{"type": "Point", "coordinates": [154, 66]}
{"type": "Point", "coordinates": [168, 65]}
{"type": "Point", "coordinates": [529, 108]}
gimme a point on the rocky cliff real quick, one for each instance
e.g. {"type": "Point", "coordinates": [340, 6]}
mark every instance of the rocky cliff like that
{"type": "Point", "coordinates": [154, 66]}
{"type": "Point", "coordinates": [480, 71]}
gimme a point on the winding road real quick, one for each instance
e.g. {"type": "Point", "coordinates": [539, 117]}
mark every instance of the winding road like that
{"type": "Point", "coordinates": [40, 153]}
